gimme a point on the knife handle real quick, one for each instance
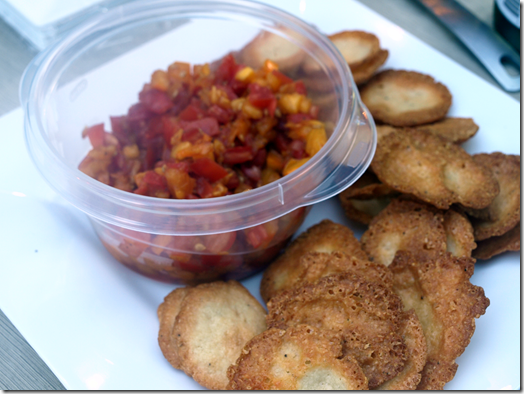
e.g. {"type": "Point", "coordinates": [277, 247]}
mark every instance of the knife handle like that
{"type": "Point", "coordinates": [491, 50]}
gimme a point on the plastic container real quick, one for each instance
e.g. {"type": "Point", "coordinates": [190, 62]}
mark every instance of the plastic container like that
{"type": "Point", "coordinates": [97, 71]}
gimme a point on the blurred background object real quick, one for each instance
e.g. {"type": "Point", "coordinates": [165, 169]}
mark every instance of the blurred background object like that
{"type": "Point", "coordinates": [507, 21]}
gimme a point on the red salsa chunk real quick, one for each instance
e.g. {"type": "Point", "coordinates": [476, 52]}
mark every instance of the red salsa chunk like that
{"type": "Point", "coordinates": [198, 133]}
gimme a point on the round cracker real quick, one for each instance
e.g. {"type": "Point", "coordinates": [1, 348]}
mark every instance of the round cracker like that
{"type": "Point", "coordinates": [366, 314]}
{"type": "Point", "coordinates": [405, 98]}
{"type": "Point", "coordinates": [416, 349]}
{"type": "Point", "coordinates": [214, 322]}
{"type": "Point", "coordinates": [366, 198]}
{"type": "Point", "coordinates": [439, 290]}
{"type": "Point", "coordinates": [404, 225]}
{"type": "Point", "coordinates": [356, 46]}
{"type": "Point", "coordinates": [363, 72]}
{"type": "Point", "coordinates": [280, 50]}
{"type": "Point", "coordinates": [324, 237]}
{"type": "Point", "coordinates": [167, 313]}
{"type": "Point", "coordinates": [458, 130]}
{"type": "Point", "coordinates": [299, 358]}
{"type": "Point", "coordinates": [504, 212]}
{"type": "Point", "coordinates": [507, 242]}
{"type": "Point", "coordinates": [460, 240]}
{"type": "Point", "coordinates": [433, 169]}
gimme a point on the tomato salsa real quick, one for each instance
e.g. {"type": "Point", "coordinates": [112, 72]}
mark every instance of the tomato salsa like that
{"type": "Point", "coordinates": [200, 132]}
{"type": "Point", "coordinates": [196, 132]}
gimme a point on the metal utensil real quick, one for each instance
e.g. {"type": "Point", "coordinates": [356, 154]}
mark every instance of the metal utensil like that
{"type": "Point", "coordinates": [489, 48]}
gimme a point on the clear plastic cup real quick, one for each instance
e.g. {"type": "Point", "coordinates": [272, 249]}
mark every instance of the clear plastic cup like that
{"type": "Point", "coordinates": [97, 71]}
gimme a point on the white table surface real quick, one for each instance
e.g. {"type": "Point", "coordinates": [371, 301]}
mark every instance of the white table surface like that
{"type": "Point", "coordinates": [20, 366]}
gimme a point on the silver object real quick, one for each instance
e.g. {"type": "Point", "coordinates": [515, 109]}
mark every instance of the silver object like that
{"type": "Point", "coordinates": [489, 48]}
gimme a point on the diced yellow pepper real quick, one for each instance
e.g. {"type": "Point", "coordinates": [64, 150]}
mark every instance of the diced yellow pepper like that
{"type": "Point", "coordinates": [269, 175]}
{"type": "Point", "coordinates": [237, 104]}
{"type": "Point", "coordinates": [273, 82]}
{"type": "Point", "coordinates": [274, 161]}
{"type": "Point", "coordinates": [177, 149]}
{"type": "Point", "coordinates": [251, 111]}
{"type": "Point", "coordinates": [315, 140]}
{"type": "Point", "coordinates": [305, 105]}
{"type": "Point", "coordinates": [293, 164]}
{"type": "Point", "coordinates": [131, 151]}
{"type": "Point", "coordinates": [160, 80]}
{"type": "Point", "coordinates": [290, 103]}
{"type": "Point", "coordinates": [270, 65]}
{"type": "Point", "coordinates": [245, 75]}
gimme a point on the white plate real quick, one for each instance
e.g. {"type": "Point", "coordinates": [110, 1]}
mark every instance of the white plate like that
{"type": "Point", "coordinates": [94, 321]}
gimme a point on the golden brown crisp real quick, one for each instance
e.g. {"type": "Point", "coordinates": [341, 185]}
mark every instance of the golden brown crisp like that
{"type": "Point", "coordinates": [299, 358]}
{"type": "Point", "coordinates": [433, 170]}
{"type": "Point", "coordinates": [318, 265]}
{"type": "Point", "coordinates": [446, 304]}
{"type": "Point", "coordinates": [504, 212]}
{"type": "Point", "coordinates": [507, 242]}
{"type": "Point", "coordinates": [404, 225]}
{"type": "Point", "coordinates": [366, 314]}
{"type": "Point", "coordinates": [366, 198]}
{"type": "Point", "coordinates": [457, 130]}
{"type": "Point", "coordinates": [453, 129]}
{"type": "Point", "coordinates": [167, 313]}
{"type": "Point", "coordinates": [213, 323]}
{"type": "Point", "coordinates": [356, 46]}
{"type": "Point", "coordinates": [267, 45]}
{"type": "Point", "coordinates": [324, 237]}
{"type": "Point", "coordinates": [363, 72]}
{"type": "Point", "coordinates": [416, 349]}
{"type": "Point", "coordinates": [460, 241]}
{"type": "Point", "coordinates": [405, 98]}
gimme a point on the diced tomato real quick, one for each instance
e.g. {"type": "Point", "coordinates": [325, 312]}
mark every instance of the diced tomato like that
{"type": "Point", "coordinates": [238, 87]}
{"type": "Point", "coordinates": [260, 236]}
{"type": "Point", "coordinates": [192, 112]}
{"type": "Point", "coordinates": [152, 183]}
{"type": "Point", "coordinates": [192, 135]}
{"type": "Point", "coordinates": [297, 118]}
{"type": "Point", "coordinates": [222, 115]}
{"type": "Point", "coordinates": [284, 79]}
{"type": "Point", "coordinates": [208, 169]}
{"type": "Point", "coordinates": [272, 107]}
{"type": "Point", "coordinates": [230, 92]}
{"type": "Point", "coordinates": [233, 182]}
{"type": "Point", "coordinates": [138, 112]}
{"type": "Point", "coordinates": [155, 127]}
{"type": "Point", "coordinates": [300, 88]}
{"type": "Point", "coordinates": [252, 172]}
{"type": "Point", "coordinates": [96, 134]}
{"type": "Point", "coordinates": [154, 150]}
{"type": "Point", "coordinates": [155, 100]}
{"type": "Point", "coordinates": [298, 149]}
{"type": "Point", "coordinates": [181, 100]}
{"type": "Point", "coordinates": [203, 188]}
{"type": "Point", "coordinates": [227, 262]}
{"type": "Point", "coordinates": [238, 154]}
{"type": "Point", "coordinates": [170, 126]}
{"type": "Point", "coordinates": [227, 69]}
{"type": "Point", "coordinates": [190, 265]}
{"type": "Point", "coordinates": [219, 243]}
{"type": "Point", "coordinates": [206, 125]}
{"type": "Point", "coordinates": [260, 96]}
{"type": "Point", "coordinates": [260, 157]}
{"type": "Point", "coordinates": [282, 143]}
{"type": "Point", "coordinates": [180, 165]}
